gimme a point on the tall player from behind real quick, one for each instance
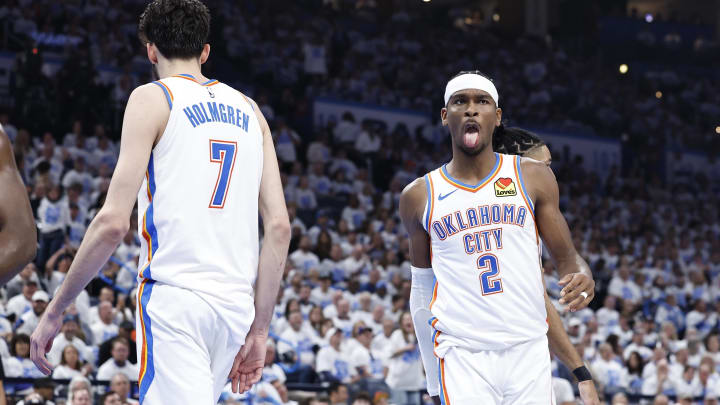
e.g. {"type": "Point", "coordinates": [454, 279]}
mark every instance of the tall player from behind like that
{"type": "Point", "coordinates": [201, 155]}
{"type": "Point", "coordinates": [474, 224]}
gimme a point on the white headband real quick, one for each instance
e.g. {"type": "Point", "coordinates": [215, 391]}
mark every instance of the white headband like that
{"type": "Point", "coordinates": [471, 81]}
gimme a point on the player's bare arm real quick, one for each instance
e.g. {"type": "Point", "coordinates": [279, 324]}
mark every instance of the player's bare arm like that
{"type": "Point", "coordinates": [249, 362]}
{"type": "Point", "coordinates": [574, 271]}
{"type": "Point", "coordinates": [145, 118]}
{"type": "Point", "coordinates": [412, 205]}
{"type": "Point", "coordinates": [564, 350]}
{"type": "Point", "coordinates": [18, 234]}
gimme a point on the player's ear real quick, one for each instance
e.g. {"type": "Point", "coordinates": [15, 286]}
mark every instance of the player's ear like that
{"type": "Point", "coordinates": [205, 54]}
{"type": "Point", "coordinates": [151, 53]}
{"type": "Point", "coordinates": [498, 116]}
{"type": "Point", "coordinates": [443, 116]}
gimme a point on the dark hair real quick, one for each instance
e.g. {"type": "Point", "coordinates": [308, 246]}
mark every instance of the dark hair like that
{"type": "Point", "coordinates": [638, 368]}
{"type": "Point", "coordinates": [179, 28]}
{"type": "Point", "coordinates": [334, 387]}
{"type": "Point", "coordinates": [106, 396]}
{"type": "Point", "coordinates": [514, 140]}
{"type": "Point", "coordinates": [471, 72]}
{"type": "Point", "coordinates": [121, 340]}
{"type": "Point", "coordinates": [19, 338]}
{"type": "Point", "coordinates": [363, 396]}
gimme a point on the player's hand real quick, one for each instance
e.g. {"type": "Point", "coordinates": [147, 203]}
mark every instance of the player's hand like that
{"type": "Point", "coordinates": [248, 365]}
{"type": "Point", "coordinates": [42, 339]}
{"type": "Point", "coordinates": [588, 394]}
{"type": "Point", "coordinates": [575, 284]}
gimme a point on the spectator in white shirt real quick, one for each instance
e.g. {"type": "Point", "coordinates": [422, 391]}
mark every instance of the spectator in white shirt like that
{"type": "Point", "coordinates": [69, 335]}
{"type": "Point", "coordinates": [364, 312]}
{"type": "Point", "coordinates": [295, 342]}
{"type": "Point", "coordinates": [304, 195]}
{"type": "Point", "coordinates": [322, 294]}
{"type": "Point", "coordinates": [342, 320]}
{"type": "Point", "coordinates": [29, 320]}
{"type": "Point", "coordinates": [362, 359]}
{"type": "Point", "coordinates": [318, 181]}
{"type": "Point", "coordinates": [353, 214]}
{"type": "Point", "coordinates": [405, 371]}
{"type": "Point", "coordinates": [22, 303]}
{"type": "Point", "coordinates": [78, 174]}
{"type": "Point", "coordinates": [318, 151]}
{"type": "Point", "coordinates": [687, 384]}
{"type": "Point", "coordinates": [608, 316]}
{"type": "Point", "coordinates": [563, 391]}
{"type": "Point", "coordinates": [346, 130]}
{"type": "Point", "coordinates": [71, 365]}
{"type": "Point", "coordinates": [303, 258]}
{"type": "Point", "coordinates": [286, 141]}
{"type": "Point", "coordinates": [701, 319]}
{"type": "Point", "coordinates": [368, 142]}
{"type": "Point", "coordinates": [53, 218]}
{"type": "Point", "coordinates": [332, 364]}
{"type": "Point", "coordinates": [623, 287]}
{"type": "Point", "coordinates": [637, 345]}
{"type": "Point", "coordinates": [610, 373]}
{"type": "Point", "coordinates": [119, 362]}
{"type": "Point", "coordinates": [104, 328]}
{"type": "Point", "coordinates": [381, 342]}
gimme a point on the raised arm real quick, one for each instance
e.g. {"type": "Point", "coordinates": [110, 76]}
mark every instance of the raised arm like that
{"type": "Point", "coordinates": [18, 234]}
{"type": "Point", "coordinates": [249, 362]}
{"type": "Point", "coordinates": [574, 271]}
{"type": "Point", "coordinates": [145, 118]}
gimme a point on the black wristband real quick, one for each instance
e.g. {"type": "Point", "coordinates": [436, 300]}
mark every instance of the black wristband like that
{"type": "Point", "coordinates": [582, 374]}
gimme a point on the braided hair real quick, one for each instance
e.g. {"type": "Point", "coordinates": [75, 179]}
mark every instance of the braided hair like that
{"type": "Point", "coordinates": [514, 140]}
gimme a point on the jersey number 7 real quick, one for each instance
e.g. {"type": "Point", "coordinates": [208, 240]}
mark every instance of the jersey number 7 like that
{"type": "Point", "coordinates": [222, 152]}
{"type": "Point", "coordinates": [490, 282]}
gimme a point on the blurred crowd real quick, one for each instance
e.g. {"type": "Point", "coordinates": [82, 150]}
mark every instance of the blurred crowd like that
{"type": "Point", "coordinates": [341, 320]}
{"type": "Point", "coordinates": [374, 52]}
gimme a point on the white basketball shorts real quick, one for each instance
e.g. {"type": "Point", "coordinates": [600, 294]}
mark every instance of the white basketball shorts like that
{"type": "Point", "coordinates": [520, 375]}
{"type": "Point", "coordinates": [185, 350]}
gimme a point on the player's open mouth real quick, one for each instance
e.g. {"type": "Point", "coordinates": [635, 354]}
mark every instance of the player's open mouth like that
{"type": "Point", "coordinates": [471, 134]}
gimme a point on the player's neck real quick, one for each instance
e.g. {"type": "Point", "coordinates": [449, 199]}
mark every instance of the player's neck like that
{"type": "Point", "coordinates": [177, 67]}
{"type": "Point", "coordinates": [471, 169]}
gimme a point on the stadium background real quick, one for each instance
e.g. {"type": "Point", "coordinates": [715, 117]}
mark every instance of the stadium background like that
{"type": "Point", "coordinates": [625, 92]}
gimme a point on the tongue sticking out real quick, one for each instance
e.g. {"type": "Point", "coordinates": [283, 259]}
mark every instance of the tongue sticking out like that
{"type": "Point", "coordinates": [471, 138]}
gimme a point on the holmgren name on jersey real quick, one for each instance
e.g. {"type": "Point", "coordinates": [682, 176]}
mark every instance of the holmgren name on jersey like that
{"type": "Point", "coordinates": [197, 114]}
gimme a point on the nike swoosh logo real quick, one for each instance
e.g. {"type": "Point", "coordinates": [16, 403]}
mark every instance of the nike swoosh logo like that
{"type": "Point", "coordinates": [442, 197]}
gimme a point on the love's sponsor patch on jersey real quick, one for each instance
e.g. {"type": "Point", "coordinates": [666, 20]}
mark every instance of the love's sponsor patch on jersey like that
{"type": "Point", "coordinates": [505, 187]}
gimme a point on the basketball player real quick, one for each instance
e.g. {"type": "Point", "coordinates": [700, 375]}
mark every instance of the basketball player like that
{"type": "Point", "coordinates": [18, 234]}
{"type": "Point", "coordinates": [201, 155]}
{"type": "Point", "coordinates": [473, 224]}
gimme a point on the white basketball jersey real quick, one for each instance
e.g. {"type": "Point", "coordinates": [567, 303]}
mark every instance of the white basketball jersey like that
{"type": "Point", "coordinates": [198, 205]}
{"type": "Point", "coordinates": [485, 255]}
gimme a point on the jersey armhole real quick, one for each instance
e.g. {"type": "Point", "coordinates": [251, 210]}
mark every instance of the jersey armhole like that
{"type": "Point", "coordinates": [523, 190]}
{"type": "Point", "coordinates": [427, 213]}
{"type": "Point", "coordinates": [166, 90]}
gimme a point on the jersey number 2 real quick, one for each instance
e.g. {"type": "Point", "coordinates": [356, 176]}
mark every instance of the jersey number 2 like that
{"type": "Point", "coordinates": [490, 282]}
{"type": "Point", "coordinates": [222, 152]}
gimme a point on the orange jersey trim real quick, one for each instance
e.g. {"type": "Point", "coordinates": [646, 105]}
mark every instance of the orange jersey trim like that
{"type": "Point", "coordinates": [474, 189]}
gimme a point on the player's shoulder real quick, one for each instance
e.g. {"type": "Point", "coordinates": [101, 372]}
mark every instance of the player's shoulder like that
{"type": "Point", "coordinates": [147, 91]}
{"type": "Point", "coordinates": [535, 169]}
{"type": "Point", "coordinates": [416, 186]}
